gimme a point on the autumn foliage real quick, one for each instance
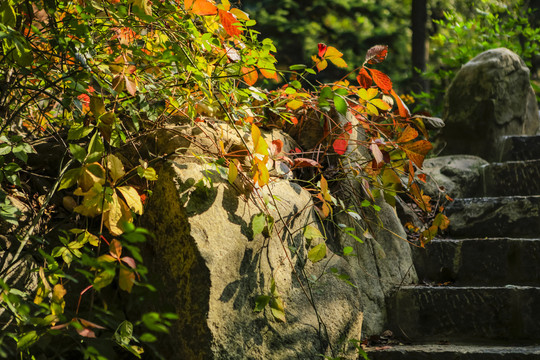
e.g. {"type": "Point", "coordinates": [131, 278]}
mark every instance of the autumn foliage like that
{"type": "Point", "coordinates": [95, 77]}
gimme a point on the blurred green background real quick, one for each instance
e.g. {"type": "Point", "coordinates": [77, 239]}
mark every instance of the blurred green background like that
{"type": "Point", "coordinates": [451, 31]}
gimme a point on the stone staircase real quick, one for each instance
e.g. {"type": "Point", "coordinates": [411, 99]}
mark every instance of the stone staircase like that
{"type": "Point", "coordinates": [484, 298]}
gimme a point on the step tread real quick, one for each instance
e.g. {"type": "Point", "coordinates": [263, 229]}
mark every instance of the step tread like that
{"type": "Point", "coordinates": [466, 349]}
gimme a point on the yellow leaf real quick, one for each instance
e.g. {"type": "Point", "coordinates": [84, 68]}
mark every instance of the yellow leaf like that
{"type": "Point", "coordinates": [115, 166]}
{"type": "Point", "coordinates": [93, 201]}
{"type": "Point", "coordinates": [332, 52]}
{"type": "Point", "coordinates": [324, 189]}
{"type": "Point", "coordinates": [321, 65]}
{"type": "Point", "coordinates": [368, 94]}
{"type": "Point", "coordinates": [238, 13]}
{"type": "Point", "coordinates": [126, 279]}
{"type": "Point", "coordinates": [295, 104]}
{"type": "Point", "coordinates": [380, 104]}
{"type": "Point", "coordinates": [233, 172]}
{"type": "Point", "coordinates": [259, 144]}
{"type": "Point", "coordinates": [117, 214]}
{"type": "Point", "coordinates": [339, 62]}
{"type": "Point", "coordinates": [133, 200]}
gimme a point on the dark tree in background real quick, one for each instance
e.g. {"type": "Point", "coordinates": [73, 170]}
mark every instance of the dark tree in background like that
{"type": "Point", "coordinates": [419, 53]}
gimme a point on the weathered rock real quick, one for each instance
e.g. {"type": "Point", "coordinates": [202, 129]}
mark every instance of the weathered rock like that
{"type": "Point", "coordinates": [482, 314]}
{"type": "Point", "coordinates": [455, 352]}
{"type": "Point", "coordinates": [458, 175]}
{"type": "Point", "coordinates": [515, 216]}
{"type": "Point", "coordinates": [520, 148]}
{"type": "Point", "coordinates": [490, 97]}
{"type": "Point", "coordinates": [214, 269]}
{"type": "Point", "coordinates": [512, 178]}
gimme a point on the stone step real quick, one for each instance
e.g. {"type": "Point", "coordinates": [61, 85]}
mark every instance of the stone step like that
{"type": "Point", "coordinates": [520, 147]}
{"type": "Point", "coordinates": [512, 178]}
{"type": "Point", "coordinates": [487, 262]}
{"type": "Point", "coordinates": [455, 352]}
{"type": "Point", "coordinates": [509, 216]}
{"type": "Point", "coordinates": [465, 314]}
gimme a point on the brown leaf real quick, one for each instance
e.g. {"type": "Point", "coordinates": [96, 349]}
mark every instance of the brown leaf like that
{"type": "Point", "coordinates": [407, 135]}
{"type": "Point", "coordinates": [376, 54]}
{"type": "Point", "coordinates": [417, 151]}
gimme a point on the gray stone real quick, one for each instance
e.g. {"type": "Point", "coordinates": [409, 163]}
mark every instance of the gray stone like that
{"type": "Point", "coordinates": [520, 148]}
{"type": "Point", "coordinates": [455, 352]}
{"type": "Point", "coordinates": [457, 175]}
{"type": "Point", "coordinates": [490, 97]}
{"type": "Point", "coordinates": [514, 216]}
{"type": "Point", "coordinates": [470, 314]}
{"type": "Point", "coordinates": [490, 262]}
{"type": "Point", "coordinates": [512, 178]}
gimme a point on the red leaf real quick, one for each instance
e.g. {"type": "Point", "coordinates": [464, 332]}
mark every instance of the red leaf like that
{"type": "Point", "coordinates": [129, 261]}
{"type": "Point", "coordinates": [276, 146]}
{"type": "Point", "coordinates": [322, 49]}
{"type": "Point", "coordinates": [341, 143]}
{"type": "Point", "coordinates": [230, 23]}
{"type": "Point", "coordinates": [422, 177]}
{"type": "Point", "coordinates": [305, 162]}
{"type": "Point", "coordinates": [294, 120]}
{"type": "Point", "coordinates": [376, 54]}
{"type": "Point", "coordinates": [348, 127]}
{"type": "Point", "coordinates": [364, 79]}
{"type": "Point", "coordinates": [381, 79]}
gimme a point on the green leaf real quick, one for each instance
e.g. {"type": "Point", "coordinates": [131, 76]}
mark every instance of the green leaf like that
{"type": "Point", "coordinates": [340, 104]}
{"type": "Point", "coordinates": [27, 339]}
{"type": "Point", "coordinates": [347, 250]}
{"type": "Point", "coordinates": [7, 15]}
{"type": "Point", "coordinates": [260, 302]}
{"type": "Point", "coordinates": [78, 131]}
{"type": "Point", "coordinates": [258, 223]}
{"type": "Point", "coordinates": [317, 253]}
{"type": "Point", "coordinates": [96, 149]}
{"type": "Point", "coordinates": [278, 309]}
{"type": "Point", "coordinates": [297, 67]}
{"type": "Point", "coordinates": [70, 178]}
{"type": "Point", "coordinates": [78, 152]}
{"type": "Point", "coordinates": [147, 337]}
{"type": "Point", "coordinates": [103, 279]}
{"type": "Point", "coordinates": [311, 232]}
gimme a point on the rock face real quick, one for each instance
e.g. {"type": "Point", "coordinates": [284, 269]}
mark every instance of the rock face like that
{"type": "Point", "coordinates": [490, 97]}
{"type": "Point", "coordinates": [458, 175]}
{"type": "Point", "coordinates": [213, 268]}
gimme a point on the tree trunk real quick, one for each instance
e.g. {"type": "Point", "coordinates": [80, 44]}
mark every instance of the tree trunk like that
{"type": "Point", "coordinates": [419, 44]}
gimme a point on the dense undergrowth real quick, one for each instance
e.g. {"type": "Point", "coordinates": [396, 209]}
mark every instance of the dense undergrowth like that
{"type": "Point", "coordinates": [82, 81]}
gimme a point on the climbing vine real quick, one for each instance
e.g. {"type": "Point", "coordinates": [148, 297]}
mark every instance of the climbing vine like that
{"type": "Point", "coordinates": [85, 81]}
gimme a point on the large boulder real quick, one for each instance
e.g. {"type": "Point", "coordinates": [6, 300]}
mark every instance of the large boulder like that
{"type": "Point", "coordinates": [213, 267]}
{"type": "Point", "coordinates": [490, 97]}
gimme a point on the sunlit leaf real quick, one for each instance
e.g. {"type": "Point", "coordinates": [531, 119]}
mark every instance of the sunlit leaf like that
{"type": "Point", "coordinates": [341, 143]}
{"type": "Point", "coordinates": [133, 200]}
{"type": "Point", "coordinates": [417, 151]}
{"type": "Point", "coordinates": [311, 232]}
{"type": "Point", "coordinates": [402, 108]}
{"type": "Point", "coordinates": [377, 154]}
{"type": "Point", "coordinates": [115, 166]}
{"type": "Point", "coordinates": [278, 309]}
{"type": "Point", "coordinates": [364, 79]}
{"type": "Point", "coordinates": [233, 172]}
{"type": "Point", "coordinates": [200, 7]}
{"type": "Point", "coordinates": [295, 104]}
{"type": "Point", "coordinates": [381, 80]}
{"type": "Point", "coordinates": [258, 223]}
{"type": "Point", "coordinates": [103, 279]}
{"type": "Point", "coordinates": [407, 135]}
{"type": "Point", "coordinates": [376, 54]}
{"type": "Point", "coordinates": [260, 145]}
{"type": "Point", "coordinates": [250, 75]}
{"type": "Point", "coordinates": [380, 104]}
{"type": "Point", "coordinates": [317, 253]}
{"type": "Point", "coordinates": [340, 104]}
{"type": "Point", "coordinates": [230, 23]}
{"type": "Point", "coordinates": [322, 49]}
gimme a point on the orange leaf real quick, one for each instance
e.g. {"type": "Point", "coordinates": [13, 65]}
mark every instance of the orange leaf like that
{"type": "Point", "coordinates": [417, 151]}
{"type": "Point", "coordinates": [407, 135]}
{"type": "Point", "coordinates": [250, 75]}
{"type": "Point", "coordinates": [115, 247]}
{"type": "Point", "coordinates": [126, 279]}
{"type": "Point", "coordinates": [381, 79]}
{"type": "Point", "coordinates": [269, 74]}
{"type": "Point", "coordinates": [376, 54]}
{"type": "Point", "coordinates": [364, 79]}
{"type": "Point", "coordinates": [200, 7]}
{"type": "Point", "coordinates": [402, 108]}
{"type": "Point", "coordinates": [230, 23]}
